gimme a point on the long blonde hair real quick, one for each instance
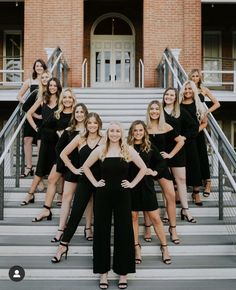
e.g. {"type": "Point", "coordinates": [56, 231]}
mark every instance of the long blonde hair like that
{"type": "Point", "coordinates": [161, 121]}
{"type": "Point", "coordinates": [42, 89]}
{"type": "Point", "coordinates": [61, 107]}
{"type": "Point", "coordinates": [146, 144]}
{"type": "Point", "coordinates": [86, 132]}
{"type": "Point", "coordinates": [200, 109]}
{"type": "Point", "coordinates": [193, 71]}
{"type": "Point", "coordinates": [176, 111]}
{"type": "Point", "coordinates": [124, 147]}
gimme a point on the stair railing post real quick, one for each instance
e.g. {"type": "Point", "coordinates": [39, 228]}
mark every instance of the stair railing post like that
{"type": "Point", "coordinates": [1, 180]}
{"type": "Point", "coordinates": [220, 184]}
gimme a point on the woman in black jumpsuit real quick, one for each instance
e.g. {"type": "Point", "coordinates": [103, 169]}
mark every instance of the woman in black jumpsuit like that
{"type": "Point", "coordinates": [113, 198]}
{"type": "Point", "coordinates": [86, 143]}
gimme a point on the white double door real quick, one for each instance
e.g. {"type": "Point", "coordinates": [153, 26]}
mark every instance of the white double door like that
{"type": "Point", "coordinates": [112, 61]}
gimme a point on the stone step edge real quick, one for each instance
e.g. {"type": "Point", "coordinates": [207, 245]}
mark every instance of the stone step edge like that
{"type": "Point", "coordinates": [154, 250]}
{"type": "Point", "coordinates": [144, 274]}
{"type": "Point", "coordinates": [184, 229]}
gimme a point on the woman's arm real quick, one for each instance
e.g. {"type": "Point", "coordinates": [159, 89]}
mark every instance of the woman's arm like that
{"type": "Point", "coordinates": [203, 124]}
{"type": "Point", "coordinates": [179, 144]}
{"type": "Point", "coordinates": [142, 169]}
{"type": "Point", "coordinates": [213, 99]}
{"type": "Point", "coordinates": [31, 112]}
{"type": "Point", "coordinates": [76, 142]}
{"type": "Point", "coordinates": [93, 157]}
{"type": "Point", "coordinates": [23, 90]}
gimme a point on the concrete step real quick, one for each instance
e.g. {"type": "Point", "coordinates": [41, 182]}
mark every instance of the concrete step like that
{"type": "Point", "coordinates": [92, 284]}
{"type": "Point", "coordinates": [18, 194]}
{"type": "Point", "coordinates": [80, 267]}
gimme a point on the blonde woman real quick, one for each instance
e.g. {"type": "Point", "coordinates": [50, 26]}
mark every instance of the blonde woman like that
{"type": "Point", "coordinates": [203, 92]}
{"type": "Point", "coordinates": [63, 116]}
{"type": "Point", "coordinates": [168, 142]}
{"type": "Point", "coordinates": [113, 198]}
{"type": "Point", "coordinates": [185, 125]}
{"type": "Point", "coordinates": [196, 151]}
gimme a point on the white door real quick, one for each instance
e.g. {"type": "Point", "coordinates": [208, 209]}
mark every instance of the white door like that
{"type": "Point", "coordinates": [12, 56]}
{"type": "Point", "coordinates": [112, 61]}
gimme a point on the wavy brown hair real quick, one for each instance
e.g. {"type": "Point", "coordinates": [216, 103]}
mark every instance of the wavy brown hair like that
{"type": "Point", "coordinates": [73, 121]}
{"type": "Point", "coordinates": [146, 144]}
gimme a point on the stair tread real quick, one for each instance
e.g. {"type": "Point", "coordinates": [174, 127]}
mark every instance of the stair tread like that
{"type": "Point", "coordinates": [150, 262]}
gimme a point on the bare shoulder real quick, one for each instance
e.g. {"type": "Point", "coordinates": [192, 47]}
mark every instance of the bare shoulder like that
{"type": "Point", "coordinates": [168, 127]}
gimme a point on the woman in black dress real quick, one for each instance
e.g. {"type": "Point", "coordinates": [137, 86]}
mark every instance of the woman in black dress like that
{"type": "Point", "coordinates": [203, 92]}
{"type": "Point", "coordinates": [49, 137]}
{"type": "Point", "coordinates": [190, 101]}
{"type": "Point", "coordinates": [63, 116]}
{"type": "Point", "coordinates": [28, 132]}
{"type": "Point", "coordinates": [113, 198]}
{"type": "Point", "coordinates": [168, 142]}
{"type": "Point", "coordinates": [143, 195]}
{"type": "Point", "coordinates": [184, 125]}
{"type": "Point", "coordinates": [85, 143]}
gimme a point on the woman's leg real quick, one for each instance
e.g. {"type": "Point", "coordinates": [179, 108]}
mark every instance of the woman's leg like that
{"type": "Point", "coordinates": [88, 234]}
{"type": "Point", "coordinates": [68, 193]}
{"type": "Point", "coordinates": [180, 179]}
{"type": "Point", "coordinates": [30, 195]}
{"type": "Point", "coordinates": [147, 228]}
{"type": "Point", "coordinates": [51, 191]}
{"type": "Point", "coordinates": [160, 233]}
{"type": "Point", "coordinates": [169, 193]}
{"type": "Point", "coordinates": [28, 141]}
{"type": "Point", "coordinates": [137, 245]}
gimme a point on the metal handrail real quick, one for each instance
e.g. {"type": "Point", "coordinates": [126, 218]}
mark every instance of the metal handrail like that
{"type": "Point", "coordinates": [55, 63]}
{"type": "Point", "coordinates": [85, 73]}
{"type": "Point", "coordinates": [141, 74]}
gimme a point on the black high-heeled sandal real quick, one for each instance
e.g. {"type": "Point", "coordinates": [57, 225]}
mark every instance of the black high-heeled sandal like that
{"type": "Point", "coordinates": [138, 260]}
{"type": "Point", "coordinates": [174, 241]}
{"type": "Point", "coordinates": [48, 217]}
{"type": "Point", "coordinates": [55, 260]}
{"type": "Point", "coordinates": [166, 261]}
{"type": "Point", "coordinates": [184, 216]}
{"type": "Point", "coordinates": [88, 238]}
{"type": "Point", "coordinates": [28, 171]}
{"type": "Point", "coordinates": [122, 285]}
{"type": "Point", "coordinates": [199, 203]}
{"type": "Point", "coordinates": [55, 240]}
{"type": "Point", "coordinates": [29, 201]}
{"type": "Point", "coordinates": [147, 239]}
{"type": "Point", "coordinates": [207, 193]}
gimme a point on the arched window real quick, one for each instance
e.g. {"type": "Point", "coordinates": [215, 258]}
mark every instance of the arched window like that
{"type": "Point", "coordinates": [113, 26]}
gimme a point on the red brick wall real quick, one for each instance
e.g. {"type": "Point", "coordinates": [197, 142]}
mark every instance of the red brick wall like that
{"type": "Point", "coordinates": [55, 23]}
{"type": "Point", "coordinates": [172, 24]}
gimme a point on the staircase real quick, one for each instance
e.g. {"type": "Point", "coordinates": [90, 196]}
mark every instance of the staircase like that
{"type": "Point", "coordinates": [205, 259]}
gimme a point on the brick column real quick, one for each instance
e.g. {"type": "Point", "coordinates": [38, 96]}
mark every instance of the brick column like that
{"type": "Point", "coordinates": [192, 48]}
{"type": "Point", "coordinates": [173, 24]}
{"type": "Point", "coordinates": [55, 23]}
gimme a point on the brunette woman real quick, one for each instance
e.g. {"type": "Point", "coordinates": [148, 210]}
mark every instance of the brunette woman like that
{"type": "Point", "coordinates": [168, 142]}
{"type": "Point", "coordinates": [184, 125]}
{"type": "Point", "coordinates": [203, 92]}
{"type": "Point", "coordinates": [190, 101]}
{"type": "Point", "coordinates": [86, 143]}
{"type": "Point", "coordinates": [48, 134]}
{"type": "Point", "coordinates": [28, 132]}
{"type": "Point", "coordinates": [113, 198]}
{"type": "Point", "coordinates": [143, 195]}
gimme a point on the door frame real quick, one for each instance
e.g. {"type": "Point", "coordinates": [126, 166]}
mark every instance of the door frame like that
{"type": "Point", "coordinates": [111, 38]}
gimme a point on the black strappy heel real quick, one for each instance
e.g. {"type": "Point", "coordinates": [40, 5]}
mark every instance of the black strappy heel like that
{"type": "Point", "coordinates": [55, 260]}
